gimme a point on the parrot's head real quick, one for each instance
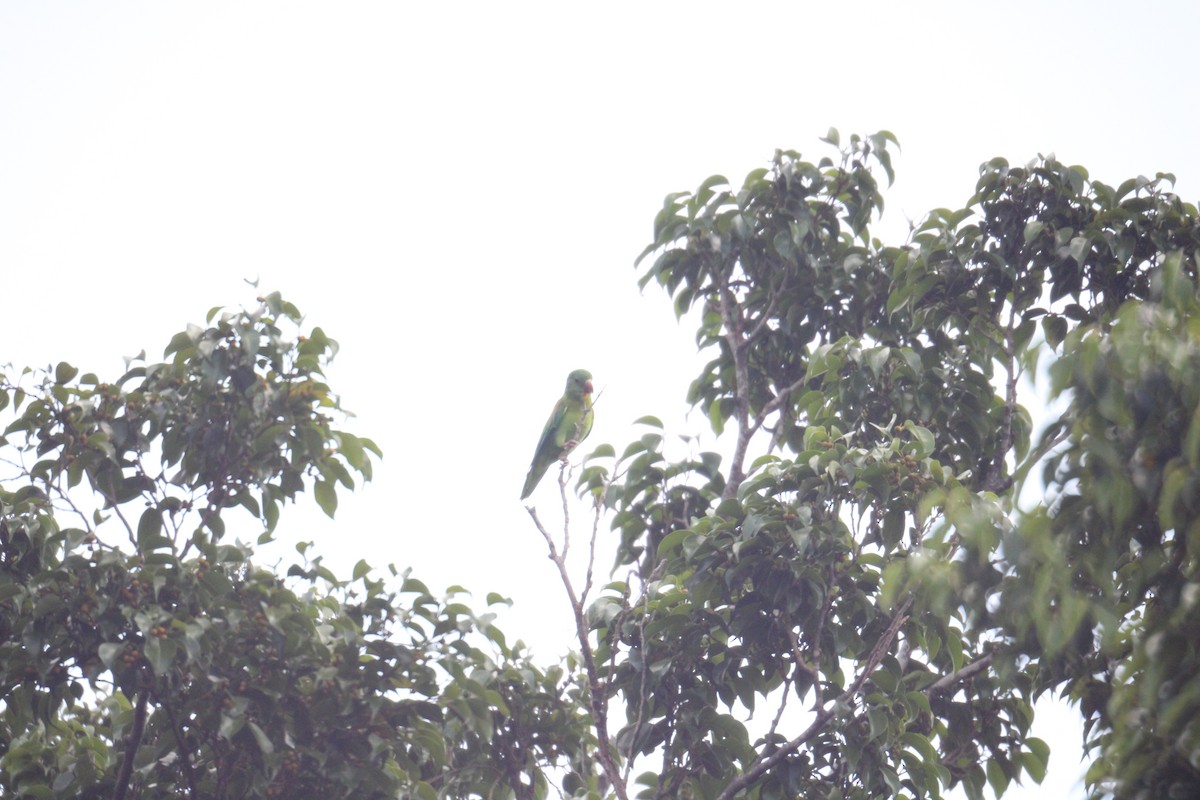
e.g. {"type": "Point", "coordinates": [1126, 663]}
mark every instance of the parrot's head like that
{"type": "Point", "coordinates": [579, 383]}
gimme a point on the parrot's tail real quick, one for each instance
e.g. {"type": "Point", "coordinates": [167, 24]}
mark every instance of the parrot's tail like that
{"type": "Point", "coordinates": [531, 481]}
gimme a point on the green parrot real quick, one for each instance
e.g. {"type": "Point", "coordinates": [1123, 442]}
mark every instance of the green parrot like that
{"type": "Point", "coordinates": [569, 424]}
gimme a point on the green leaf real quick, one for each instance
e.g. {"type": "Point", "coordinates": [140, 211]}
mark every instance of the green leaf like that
{"type": "Point", "coordinates": [48, 604]}
{"type": "Point", "coordinates": [64, 372]}
{"type": "Point", "coordinates": [602, 451]}
{"type": "Point", "coordinates": [110, 652]}
{"type": "Point", "coordinates": [893, 525]}
{"type": "Point", "coordinates": [326, 496]}
{"type": "Point", "coordinates": [264, 743]}
{"type": "Point", "coordinates": [923, 436]}
{"type": "Point", "coordinates": [878, 718]}
{"type": "Point", "coordinates": [1036, 759]}
{"type": "Point", "coordinates": [876, 359]}
{"type": "Point", "coordinates": [270, 510]}
{"type": "Point", "coordinates": [922, 746]}
{"type": "Point", "coordinates": [1176, 478]}
{"type": "Point", "coordinates": [160, 652]}
{"type": "Point", "coordinates": [672, 540]}
{"type": "Point", "coordinates": [716, 417]}
{"type": "Point", "coordinates": [181, 342]}
{"type": "Point", "coordinates": [149, 530]}
{"type": "Point", "coordinates": [996, 777]}
{"type": "Point", "coordinates": [351, 448]}
{"type": "Point", "coordinates": [269, 439]}
{"type": "Point", "coordinates": [231, 724]}
{"type": "Point", "coordinates": [1080, 245]}
{"type": "Point", "coordinates": [1055, 329]}
{"type": "Point", "coordinates": [1023, 333]}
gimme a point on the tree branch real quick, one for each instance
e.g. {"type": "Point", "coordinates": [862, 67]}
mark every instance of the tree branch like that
{"type": "Point", "coordinates": [597, 699]}
{"type": "Point", "coordinates": [765, 317]}
{"type": "Point", "coordinates": [736, 340]}
{"type": "Point", "coordinates": [132, 741]}
{"type": "Point", "coordinates": [827, 712]}
{"type": "Point", "coordinates": [996, 481]}
{"type": "Point", "coordinates": [184, 753]}
{"type": "Point", "coordinates": [641, 705]}
{"type": "Point", "coordinates": [967, 672]}
{"type": "Point", "coordinates": [778, 400]}
{"type": "Point", "coordinates": [1037, 455]}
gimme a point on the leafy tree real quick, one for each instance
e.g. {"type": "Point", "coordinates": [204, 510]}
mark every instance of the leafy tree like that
{"type": "Point", "coordinates": [861, 596]}
{"type": "Point", "coordinates": [169, 664]}
{"type": "Point", "coordinates": [853, 604]}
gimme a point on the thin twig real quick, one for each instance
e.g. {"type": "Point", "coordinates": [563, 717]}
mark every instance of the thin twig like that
{"type": "Point", "coordinates": [778, 400]}
{"type": "Point", "coordinates": [765, 317]}
{"type": "Point", "coordinates": [562, 490]}
{"type": "Point", "coordinates": [117, 510]}
{"type": "Point", "coordinates": [787, 690]}
{"type": "Point", "coordinates": [802, 664]}
{"type": "Point", "coordinates": [73, 508]}
{"type": "Point", "coordinates": [591, 564]}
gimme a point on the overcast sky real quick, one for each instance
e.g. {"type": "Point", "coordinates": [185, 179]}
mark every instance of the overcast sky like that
{"type": "Point", "coordinates": [457, 193]}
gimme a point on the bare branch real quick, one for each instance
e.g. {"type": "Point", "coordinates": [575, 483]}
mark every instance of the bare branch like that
{"type": "Point", "coordinates": [966, 672]}
{"type": "Point", "coordinates": [787, 690]}
{"type": "Point", "coordinates": [562, 490]}
{"type": "Point", "coordinates": [117, 510]}
{"type": "Point", "coordinates": [591, 564]}
{"type": "Point", "coordinates": [778, 400]}
{"type": "Point", "coordinates": [597, 697]}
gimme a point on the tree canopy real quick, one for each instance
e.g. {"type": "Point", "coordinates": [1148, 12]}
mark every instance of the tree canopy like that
{"type": "Point", "coordinates": [957, 472]}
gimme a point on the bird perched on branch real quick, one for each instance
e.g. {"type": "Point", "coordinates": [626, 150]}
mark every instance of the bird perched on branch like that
{"type": "Point", "coordinates": [569, 424]}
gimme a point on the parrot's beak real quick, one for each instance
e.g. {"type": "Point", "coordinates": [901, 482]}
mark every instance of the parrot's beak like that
{"type": "Point", "coordinates": [587, 387]}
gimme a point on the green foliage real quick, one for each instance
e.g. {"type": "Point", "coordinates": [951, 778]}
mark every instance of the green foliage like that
{"type": "Point", "coordinates": [870, 565]}
{"type": "Point", "coordinates": [170, 664]}
{"type": "Point", "coordinates": [846, 601]}
{"type": "Point", "coordinates": [1126, 529]}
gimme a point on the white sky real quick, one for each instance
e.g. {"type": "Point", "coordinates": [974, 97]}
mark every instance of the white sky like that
{"type": "Point", "coordinates": [457, 192]}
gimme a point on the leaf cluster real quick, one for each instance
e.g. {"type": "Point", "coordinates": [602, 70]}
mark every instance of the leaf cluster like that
{"type": "Point", "coordinates": [870, 563]}
{"type": "Point", "coordinates": [145, 653]}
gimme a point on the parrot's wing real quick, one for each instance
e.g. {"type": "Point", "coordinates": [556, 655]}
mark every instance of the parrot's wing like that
{"type": "Point", "coordinates": [548, 446]}
{"type": "Point", "coordinates": [584, 426]}
{"type": "Point", "coordinates": [556, 426]}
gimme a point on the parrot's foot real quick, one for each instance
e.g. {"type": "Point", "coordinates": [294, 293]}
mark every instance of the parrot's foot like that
{"type": "Point", "coordinates": [566, 450]}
